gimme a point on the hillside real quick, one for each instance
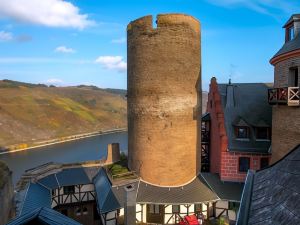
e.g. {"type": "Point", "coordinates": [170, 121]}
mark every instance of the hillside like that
{"type": "Point", "coordinates": [31, 113]}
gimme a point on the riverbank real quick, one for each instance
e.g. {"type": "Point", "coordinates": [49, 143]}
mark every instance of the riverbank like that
{"type": "Point", "coordinates": [8, 150]}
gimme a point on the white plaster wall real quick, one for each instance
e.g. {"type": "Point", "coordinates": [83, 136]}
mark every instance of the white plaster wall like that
{"type": "Point", "coordinates": [222, 204]}
{"type": "Point", "coordinates": [138, 213]}
{"type": "Point", "coordinates": [144, 213]}
{"type": "Point", "coordinates": [87, 187]}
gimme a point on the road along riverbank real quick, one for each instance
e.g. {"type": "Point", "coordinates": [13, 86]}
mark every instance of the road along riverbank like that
{"type": "Point", "coordinates": [24, 147]}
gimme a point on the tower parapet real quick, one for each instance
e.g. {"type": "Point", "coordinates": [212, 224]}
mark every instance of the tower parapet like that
{"type": "Point", "coordinates": [163, 70]}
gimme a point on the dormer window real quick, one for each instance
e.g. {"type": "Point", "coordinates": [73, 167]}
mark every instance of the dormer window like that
{"type": "Point", "coordinates": [242, 132]}
{"type": "Point", "coordinates": [263, 133]}
{"type": "Point", "coordinates": [290, 33]}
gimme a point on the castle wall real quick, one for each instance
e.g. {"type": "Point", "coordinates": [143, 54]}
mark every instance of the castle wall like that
{"type": "Point", "coordinates": [163, 69]}
{"type": "Point", "coordinates": [285, 119]}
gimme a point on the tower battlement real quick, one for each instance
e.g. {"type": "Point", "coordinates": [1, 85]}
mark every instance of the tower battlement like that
{"type": "Point", "coordinates": [163, 21]}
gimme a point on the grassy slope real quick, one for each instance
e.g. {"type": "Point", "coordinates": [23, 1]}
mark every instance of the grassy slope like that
{"type": "Point", "coordinates": [29, 113]}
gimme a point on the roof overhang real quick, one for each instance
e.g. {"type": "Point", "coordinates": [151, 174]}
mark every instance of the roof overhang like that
{"type": "Point", "coordinates": [285, 56]}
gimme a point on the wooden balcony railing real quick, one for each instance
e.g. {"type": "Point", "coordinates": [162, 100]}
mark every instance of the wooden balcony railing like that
{"type": "Point", "coordinates": [284, 96]}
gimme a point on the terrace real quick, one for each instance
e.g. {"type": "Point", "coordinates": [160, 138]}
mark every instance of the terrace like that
{"type": "Point", "coordinates": [284, 96]}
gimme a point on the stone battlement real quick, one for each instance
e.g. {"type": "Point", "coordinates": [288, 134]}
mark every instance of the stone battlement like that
{"type": "Point", "coordinates": [164, 20]}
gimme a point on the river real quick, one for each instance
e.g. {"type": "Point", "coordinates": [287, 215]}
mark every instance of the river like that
{"type": "Point", "coordinates": [91, 148]}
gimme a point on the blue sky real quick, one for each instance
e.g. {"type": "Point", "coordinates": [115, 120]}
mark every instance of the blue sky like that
{"type": "Point", "coordinates": [75, 42]}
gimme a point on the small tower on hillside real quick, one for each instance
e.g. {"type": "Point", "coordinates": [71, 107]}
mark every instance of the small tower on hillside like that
{"type": "Point", "coordinates": [285, 94]}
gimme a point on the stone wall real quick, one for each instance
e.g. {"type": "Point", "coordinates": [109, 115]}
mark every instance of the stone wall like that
{"type": "Point", "coordinates": [163, 71]}
{"type": "Point", "coordinates": [286, 119]}
{"type": "Point", "coordinates": [7, 207]}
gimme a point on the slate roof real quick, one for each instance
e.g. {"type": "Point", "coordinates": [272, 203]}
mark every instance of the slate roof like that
{"type": "Point", "coordinates": [289, 46]}
{"type": "Point", "coordinates": [272, 195]}
{"type": "Point", "coordinates": [109, 197]}
{"type": "Point", "coordinates": [35, 196]}
{"type": "Point", "coordinates": [247, 104]}
{"type": "Point", "coordinates": [293, 44]}
{"type": "Point", "coordinates": [71, 176]}
{"type": "Point", "coordinates": [43, 216]}
{"type": "Point", "coordinates": [195, 192]}
{"type": "Point", "coordinates": [229, 191]}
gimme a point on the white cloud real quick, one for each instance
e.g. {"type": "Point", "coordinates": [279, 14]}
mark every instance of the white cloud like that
{"type": "Point", "coordinates": [5, 36]}
{"type": "Point", "coordinates": [119, 41]}
{"type": "Point", "coordinates": [64, 49]}
{"type": "Point", "coordinates": [54, 81]}
{"type": "Point", "coordinates": [262, 6]}
{"type": "Point", "coordinates": [112, 63]}
{"type": "Point", "coordinates": [52, 13]}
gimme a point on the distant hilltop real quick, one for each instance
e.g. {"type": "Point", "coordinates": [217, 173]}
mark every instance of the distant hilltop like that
{"type": "Point", "coordinates": [37, 112]}
{"type": "Point", "coordinates": [15, 84]}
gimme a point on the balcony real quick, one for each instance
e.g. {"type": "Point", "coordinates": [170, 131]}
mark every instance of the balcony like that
{"type": "Point", "coordinates": [284, 96]}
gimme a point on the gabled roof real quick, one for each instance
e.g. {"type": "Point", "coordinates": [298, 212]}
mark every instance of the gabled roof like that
{"type": "Point", "coordinates": [44, 216]}
{"type": "Point", "coordinates": [250, 108]}
{"type": "Point", "coordinates": [272, 195]}
{"type": "Point", "coordinates": [36, 196]}
{"type": "Point", "coordinates": [294, 17]}
{"type": "Point", "coordinates": [70, 176]}
{"type": "Point", "coordinates": [109, 197]}
{"type": "Point", "coordinates": [229, 191]}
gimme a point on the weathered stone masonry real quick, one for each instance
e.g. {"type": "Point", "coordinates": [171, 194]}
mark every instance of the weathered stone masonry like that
{"type": "Point", "coordinates": [163, 71]}
{"type": "Point", "coordinates": [285, 122]}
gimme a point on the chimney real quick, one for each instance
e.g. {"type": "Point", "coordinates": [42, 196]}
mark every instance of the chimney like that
{"type": "Point", "coordinates": [230, 95]}
{"type": "Point", "coordinates": [113, 153]}
{"type": "Point", "coordinates": [130, 205]}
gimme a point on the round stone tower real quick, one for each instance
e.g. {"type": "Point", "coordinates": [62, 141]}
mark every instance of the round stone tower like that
{"type": "Point", "coordinates": [285, 96]}
{"type": "Point", "coordinates": [164, 73]}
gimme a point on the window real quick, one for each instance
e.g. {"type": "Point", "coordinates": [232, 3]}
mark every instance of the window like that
{"type": "Point", "coordinates": [242, 132]}
{"type": "Point", "coordinates": [154, 209]}
{"type": "Point", "coordinates": [198, 208]}
{"type": "Point", "coordinates": [293, 77]}
{"type": "Point", "coordinates": [84, 211]}
{"type": "Point", "coordinates": [244, 164]}
{"type": "Point", "coordinates": [264, 162]}
{"type": "Point", "coordinates": [69, 190]}
{"type": "Point", "coordinates": [290, 33]}
{"type": "Point", "coordinates": [175, 208]}
{"type": "Point", "coordinates": [234, 206]}
{"type": "Point", "coordinates": [262, 133]}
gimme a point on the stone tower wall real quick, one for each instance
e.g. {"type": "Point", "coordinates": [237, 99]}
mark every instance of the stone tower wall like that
{"type": "Point", "coordinates": [285, 119]}
{"type": "Point", "coordinates": [163, 71]}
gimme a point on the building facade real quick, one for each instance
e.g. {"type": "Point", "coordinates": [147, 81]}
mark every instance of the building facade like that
{"type": "Point", "coordinates": [238, 122]}
{"type": "Point", "coordinates": [285, 95]}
